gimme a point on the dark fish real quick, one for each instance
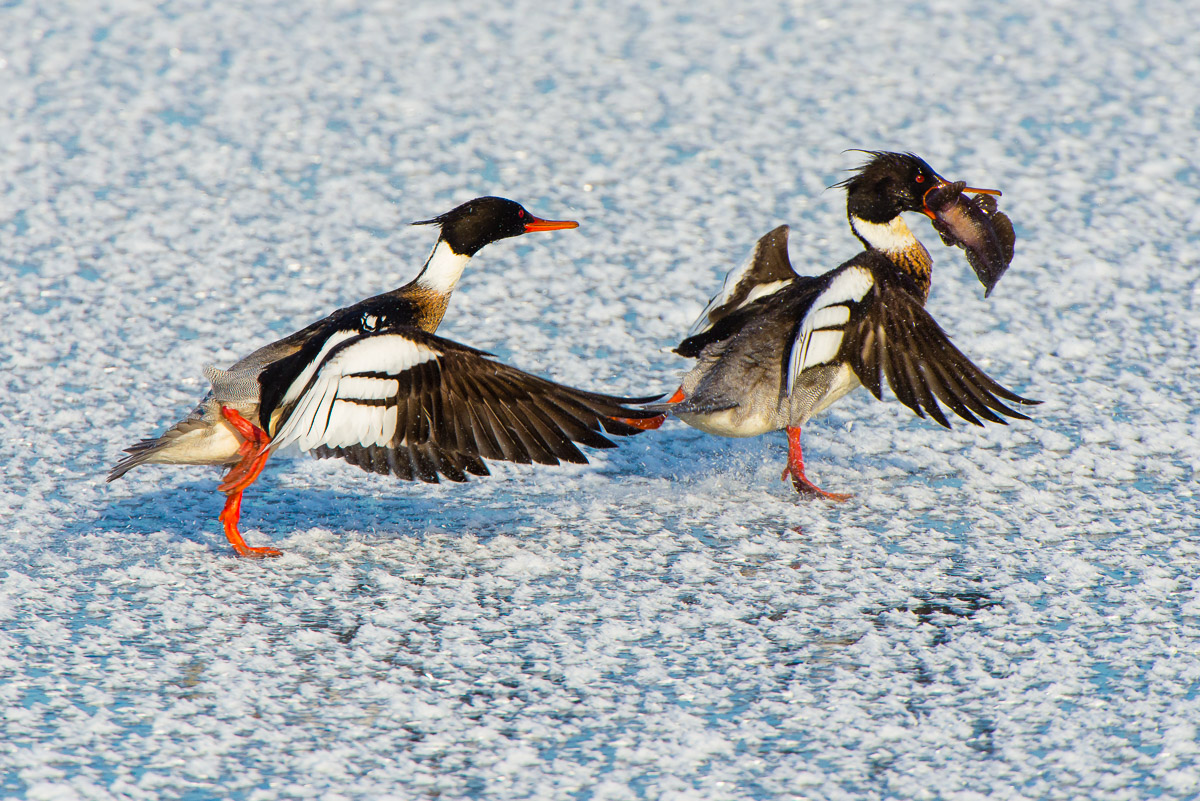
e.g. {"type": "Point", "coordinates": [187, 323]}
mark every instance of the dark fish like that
{"type": "Point", "coordinates": [976, 225]}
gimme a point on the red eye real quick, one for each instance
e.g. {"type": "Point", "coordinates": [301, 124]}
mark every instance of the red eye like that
{"type": "Point", "coordinates": [920, 178]}
{"type": "Point", "coordinates": [521, 213]}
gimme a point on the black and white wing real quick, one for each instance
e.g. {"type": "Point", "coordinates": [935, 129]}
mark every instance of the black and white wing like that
{"type": "Point", "coordinates": [822, 330]}
{"type": "Point", "coordinates": [412, 404]}
{"type": "Point", "coordinates": [766, 271]}
{"type": "Point", "coordinates": [890, 333]}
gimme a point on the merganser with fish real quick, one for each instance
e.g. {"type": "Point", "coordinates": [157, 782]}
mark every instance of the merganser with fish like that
{"type": "Point", "coordinates": [775, 348]}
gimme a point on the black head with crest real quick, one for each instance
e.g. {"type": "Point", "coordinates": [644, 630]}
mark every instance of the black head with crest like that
{"type": "Point", "coordinates": [889, 184]}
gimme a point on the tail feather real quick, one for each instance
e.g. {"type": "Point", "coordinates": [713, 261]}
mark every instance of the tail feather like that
{"type": "Point", "coordinates": [139, 453]}
{"type": "Point", "coordinates": [691, 406]}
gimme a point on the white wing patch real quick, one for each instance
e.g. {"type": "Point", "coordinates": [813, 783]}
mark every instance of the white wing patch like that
{"type": "Point", "coordinates": [355, 424]}
{"type": "Point", "coordinates": [850, 284]}
{"type": "Point", "coordinates": [820, 336]}
{"type": "Point", "coordinates": [353, 399]}
{"type": "Point", "coordinates": [830, 316]}
{"type": "Point", "coordinates": [302, 380]}
{"type": "Point", "coordinates": [762, 290]}
{"type": "Point", "coordinates": [367, 387]}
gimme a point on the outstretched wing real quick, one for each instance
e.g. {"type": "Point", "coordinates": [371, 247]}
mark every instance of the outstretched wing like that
{"type": "Point", "coordinates": [766, 271]}
{"type": "Point", "coordinates": [406, 402]}
{"type": "Point", "coordinates": [890, 333]}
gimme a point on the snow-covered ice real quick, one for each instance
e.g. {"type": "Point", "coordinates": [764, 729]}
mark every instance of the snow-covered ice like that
{"type": "Point", "coordinates": [1004, 613]}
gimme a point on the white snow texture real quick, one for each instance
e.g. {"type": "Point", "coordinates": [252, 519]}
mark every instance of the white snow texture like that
{"type": "Point", "coordinates": [1010, 612]}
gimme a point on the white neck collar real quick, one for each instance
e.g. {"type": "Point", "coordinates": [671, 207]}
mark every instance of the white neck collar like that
{"type": "Point", "coordinates": [442, 269]}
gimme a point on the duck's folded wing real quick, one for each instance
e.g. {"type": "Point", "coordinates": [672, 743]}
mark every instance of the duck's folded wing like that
{"type": "Point", "coordinates": [416, 406]}
{"type": "Point", "coordinates": [890, 334]}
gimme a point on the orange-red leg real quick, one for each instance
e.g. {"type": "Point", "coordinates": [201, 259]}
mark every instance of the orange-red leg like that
{"type": "Point", "coordinates": [651, 423]}
{"type": "Point", "coordinates": [255, 451]}
{"type": "Point", "coordinates": [795, 470]}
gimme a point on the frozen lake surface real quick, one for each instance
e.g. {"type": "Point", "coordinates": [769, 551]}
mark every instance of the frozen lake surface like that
{"type": "Point", "coordinates": [1003, 613]}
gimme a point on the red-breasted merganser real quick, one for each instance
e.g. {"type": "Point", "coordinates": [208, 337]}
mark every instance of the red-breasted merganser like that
{"type": "Point", "coordinates": [776, 348]}
{"type": "Point", "coordinates": [373, 385]}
